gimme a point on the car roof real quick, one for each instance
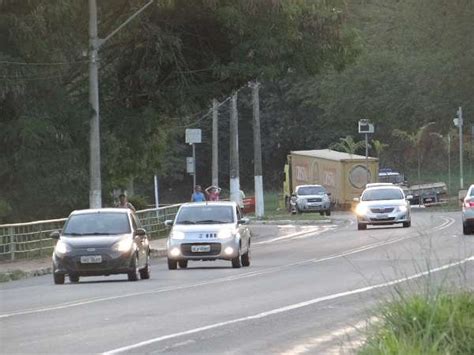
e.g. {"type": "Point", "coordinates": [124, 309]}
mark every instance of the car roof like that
{"type": "Point", "coordinates": [210, 203]}
{"type": "Point", "coordinates": [101, 210]}
{"type": "Point", "coordinates": [387, 187]}
{"type": "Point", "coordinates": [378, 184]}
{"type": "Point", "coordinates": [313, 185]}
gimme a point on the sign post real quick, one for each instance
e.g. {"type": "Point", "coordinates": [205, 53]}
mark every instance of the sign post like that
{"type": "Point", "coordinates": [193, 136]}
{"type": "Point", "coordinates": [366, 127]}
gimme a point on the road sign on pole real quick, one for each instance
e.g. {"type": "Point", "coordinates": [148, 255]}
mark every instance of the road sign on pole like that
{"type": "Point", "coordinates": [365, 127]}
{"type": "Point", "coordinates": [193, 136]}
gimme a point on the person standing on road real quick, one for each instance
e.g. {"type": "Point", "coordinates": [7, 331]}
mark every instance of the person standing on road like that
{"type": "Point", "coordinates": [123, 203]}
{"type": "Point", "coordinates": [213, 193]}
{"type": "Point", "coordinates": [198, 196]}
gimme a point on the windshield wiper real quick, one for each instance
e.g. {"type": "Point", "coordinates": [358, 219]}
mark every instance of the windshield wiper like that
{"type": "Point", "coordinates": [186, 222]}
{"type": "Point", "coordinates": [73, 234]}
{"type": "Point", "coordinates": [99, 233]}
{"type": "Point", "coordinates": [210, 221]}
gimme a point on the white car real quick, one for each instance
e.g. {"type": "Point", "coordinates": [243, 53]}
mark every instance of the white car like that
{"type": "Point", "coordinates": [208, 231]}
{"type": "Point", "coordinates": [383, 205]}
{"type": "Point", "coordinates": [468, 211]}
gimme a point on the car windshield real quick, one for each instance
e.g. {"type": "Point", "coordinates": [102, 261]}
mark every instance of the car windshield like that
{"type": "Point", "coordinates": [311, 190]}
{"type": "Point", "coordinates": [382, 194]}
{"type": "Point", "coordinates": [205, 215]}
{"type": "Point", "coordinates": [97, 224]}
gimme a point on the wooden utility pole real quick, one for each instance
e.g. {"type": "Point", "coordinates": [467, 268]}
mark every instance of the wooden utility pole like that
{"type": "Point", "coordinates": [234, 152]}
{"type": "Point", "coordinates": [215, 144]}
{"type": "Point", "coordinates": [257, 149]}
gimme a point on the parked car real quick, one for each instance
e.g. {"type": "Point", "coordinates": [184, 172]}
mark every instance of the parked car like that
{"type": "Point", "coordinates": [312, 198]}
{"type": "Point", "coordinates": [468, 211]}
{"type": "Point", "coordinates": [208, 231]}
{"type": "Point", "coordinates": [382, 205]}
{"type": "Point", "coordinates": [101, 242]}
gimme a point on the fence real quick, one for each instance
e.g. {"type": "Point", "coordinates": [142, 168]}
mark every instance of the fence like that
{"type": "Point", "coordinates": [30, 240]}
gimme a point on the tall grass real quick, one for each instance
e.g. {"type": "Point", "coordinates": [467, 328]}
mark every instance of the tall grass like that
{"type": "Point", "coordinates": [439, 324]}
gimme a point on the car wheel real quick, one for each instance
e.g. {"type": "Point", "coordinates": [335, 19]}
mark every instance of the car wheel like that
{"type": "Point", "coordinates": [321, 213]}
{"type": "Point", "coordinates": [183, 264]}
{"type": "Point", "coordinates": [328, 212]}
{"type": "Point", "coordinates": [145, 272]}
{"type": "Point", "coordinates": [245, 259]}
{"type": "Point", "coordinates": [74, 278]}
{"type": "Point", "coordinates": [361, 226]}
{"type": "Point", "coordinates": [236, 263]}
{"type": "Point", "coordinates": [172, 264]}
{"type": "Point", "coordinates": [465, 229]}
{"type": "Point", "coordinates": [406, 224]}
{"type": "Point", "coordinates": [133, 273]}
{"type": "Point", "coordinates": [58, 279]}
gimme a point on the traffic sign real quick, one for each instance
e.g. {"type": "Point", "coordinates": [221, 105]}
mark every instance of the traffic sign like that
{"type": "Point", "coordinates": [193, 135]}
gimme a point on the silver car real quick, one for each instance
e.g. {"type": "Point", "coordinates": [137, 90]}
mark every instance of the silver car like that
{"type": "Point", "coordinates": [312, 198]}
{"type": "Point", "coordinates": [208, 231]}
{"type": "Point", "coordinates": [381, 206]}
{"type": "Point", "coordinates": [468, 211]}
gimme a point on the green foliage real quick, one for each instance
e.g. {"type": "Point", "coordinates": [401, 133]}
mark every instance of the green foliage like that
{"type": "Point", "coordinates": [440, 324]}
{"type": "Point", "coordinates": [348, 145]}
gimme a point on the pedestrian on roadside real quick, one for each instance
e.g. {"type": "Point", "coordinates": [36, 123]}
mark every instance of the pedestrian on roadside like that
{"type": "Point", "coordinates": [213, 193]}
{"type": "Point", "coordinates": [123, 203]}
{"type": "Point", "coordinates": [198, 195]}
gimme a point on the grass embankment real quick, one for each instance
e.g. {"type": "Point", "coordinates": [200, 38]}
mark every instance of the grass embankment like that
{"type": "Point", "coordinates": [441, 324]}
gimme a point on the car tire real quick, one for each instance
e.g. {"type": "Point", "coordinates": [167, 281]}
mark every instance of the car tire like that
{"type": "Point", "coordinates": [321, 213]}
{"type": "Point", "coordinates": [58, 279]}
{"type": "Point", "coordinates": [133, 273]}
{"type": "Point", "coordinates": [183, 264]}
{"type": "Point", "coordinates": [465, 229]}
{"type": "Point", "coordinates": [328, 212]}
{"type": "Point", "coordinates": [245, 259]}
{"type": "Point", "coordinates": [361, 226]}
{"type": "Point", "coordinates": [172, 264]}
{"type": "Point", "coordinates": [145, 272]}
{"type": "Point", "coordinates": [74, 278]}
{"type": "Point", "coordinates": [236, 263]}
{"type": "Point", "coordinates": [407, 224]}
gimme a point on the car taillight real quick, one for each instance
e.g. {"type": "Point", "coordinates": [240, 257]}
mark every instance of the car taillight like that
{"type": "Point", "coordinates": [469, 204]}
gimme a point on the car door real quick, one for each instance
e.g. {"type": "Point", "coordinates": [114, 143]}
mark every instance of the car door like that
{"type": "Point", "coordinates": [141, 242]}
{"type": "Point", "coordinates": [243, 230]}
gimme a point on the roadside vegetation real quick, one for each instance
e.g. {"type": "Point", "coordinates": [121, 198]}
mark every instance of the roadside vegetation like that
{"type": "Point", "coordinates": [438, 324]}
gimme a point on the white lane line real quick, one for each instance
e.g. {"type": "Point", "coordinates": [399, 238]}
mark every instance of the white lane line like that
{"type": "Point", "coordinates": [347, 332]}
{"type": "Point", "coordinates": [288, 236]}
{"type": "Point", "coordinates": [286, 308]}
{"type": "Point", "coordinates": [215, 281]}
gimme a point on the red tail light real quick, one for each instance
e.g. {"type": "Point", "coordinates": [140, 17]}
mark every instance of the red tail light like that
{"type": "Point", "coordinates": [469, 204]}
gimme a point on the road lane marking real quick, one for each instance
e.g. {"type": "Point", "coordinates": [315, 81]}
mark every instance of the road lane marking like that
{"type": "Point", "coordinates": [285, 309]}
{"type": "Point", "coordinates": [83, 302]}
{"type": "Point", "coordinates": [288, 236]}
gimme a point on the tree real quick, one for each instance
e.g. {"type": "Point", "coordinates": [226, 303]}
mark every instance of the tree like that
{"type": "Point", "coordinates": [379, 148]}
{"type": "Point", "coordinates": [348, 145]}
{"type": "Point", "coordinates": [415, 141]}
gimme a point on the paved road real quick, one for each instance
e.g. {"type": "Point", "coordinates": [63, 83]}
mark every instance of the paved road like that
{"type": "Point", "coordinates": [309, 289]}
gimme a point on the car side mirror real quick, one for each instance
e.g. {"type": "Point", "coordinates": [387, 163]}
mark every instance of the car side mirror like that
{"type": "Point", "coordinates": [55, 235]}
{"type": "Point", "coordinates": [328, 193]}
{"type": "Point", "coordinates": [244, 220]}
{"type": "Point", "coordinates": [356, 199]}
{"type": "Point", "coordinates": [409, 197]}
{"type": "Point", "coordinates": [169, 223]}
{"type": "Point", "coordinates": [140, 232]}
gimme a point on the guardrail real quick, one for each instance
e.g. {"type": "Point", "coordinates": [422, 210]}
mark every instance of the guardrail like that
{"type": "Point", "coordinates": [30, 240]}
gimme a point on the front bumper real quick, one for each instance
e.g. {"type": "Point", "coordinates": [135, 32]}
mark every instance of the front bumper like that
{"type": "Point", "coordinates": [217, 249]}
{"type": "Point", "coordinates": [113, 262]}
{"type": "Point", "coordinates": [394, 217]}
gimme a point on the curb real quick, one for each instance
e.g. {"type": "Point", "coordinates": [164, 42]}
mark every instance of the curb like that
{"type": "Point", "coordinates": [15, 275]}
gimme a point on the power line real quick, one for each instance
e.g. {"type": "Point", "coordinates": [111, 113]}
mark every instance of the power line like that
{"type": "Point", "coordinates": [43, 63]}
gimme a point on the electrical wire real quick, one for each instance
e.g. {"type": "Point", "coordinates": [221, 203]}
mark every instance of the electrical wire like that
{"type": "Point", "coordinates": [6, 62]}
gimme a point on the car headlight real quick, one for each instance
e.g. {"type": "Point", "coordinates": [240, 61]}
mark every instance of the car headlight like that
{"type": "Point", "coordinates": [61, 248]}
{"type": "Point", "coordinates": [225, 234]}
{"type": "Point", "coordinates": [325, 198]}
{"type": "Point", "coordinates": [361, 210]}
{"type": "Point", "coordinates": [177, 235]}
{"type": "Point", "coordinates": [124, 245]}
{"type": "Point", "coordinates": [402, 208]}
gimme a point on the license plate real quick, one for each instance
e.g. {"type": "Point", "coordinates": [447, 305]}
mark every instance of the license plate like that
{"type": "Point", "coordinates": [91, 259]}
{"type": "Point", "coordinates": [382, 216]}
{"type": "Point", "coordinates": [200, 248]}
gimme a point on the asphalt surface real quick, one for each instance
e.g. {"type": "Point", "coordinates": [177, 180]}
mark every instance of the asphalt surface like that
{"type": "Point", "coordinates": [309, 289]}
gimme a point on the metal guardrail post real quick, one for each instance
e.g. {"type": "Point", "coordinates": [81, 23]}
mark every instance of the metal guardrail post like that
{"type": "Point", "coordinates": [11, 233]}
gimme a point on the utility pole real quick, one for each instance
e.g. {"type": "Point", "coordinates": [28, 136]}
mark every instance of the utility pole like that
{"type": "Point", "coordinates": [215, 144]}
{"type": "Point", "coordinates": [234, 152]}
{"type": "Point", "coordinates": [95, 43]}
{"type": "Point", "coordinates": [257, 149]}
{"type": "Point", "coordinates": [449, 163]}
{"type": "Point", "coordinates": [95, 191]}
{"type": "Point", "coordinates": [458, 121]}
